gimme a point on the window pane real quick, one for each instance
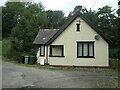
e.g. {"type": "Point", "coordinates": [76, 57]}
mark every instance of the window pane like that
{"type": "Point", "coordinates": [42, 50]}
{"type": "Point", "coordinates": [85, 48]}
{"type": "Point", "coordinates": [78, 27]}
{"type": "Point", "coordinates": [90, 49]}
{"type": "Point", "coordinates": [57, 51]}
{"type": "Point", "coordinates": [80, 49]}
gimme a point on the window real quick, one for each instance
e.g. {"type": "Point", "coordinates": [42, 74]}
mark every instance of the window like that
{"type": "Point", "coordinates": [57, 51]}
{"type": "Point", "coordinates": [85, 49]}
{"type": "Point", "coordinates": [78, 24]}
{"type": "Point", "coordinates": [42, 50]}
{"type": "Point", "coordinates": [78, 27]}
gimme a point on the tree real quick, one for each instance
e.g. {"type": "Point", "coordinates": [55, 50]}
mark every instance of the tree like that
{"type": "Point", "coordinates": [21, 23]}
{"type": "Point", "coordinates": [107, 22]}
{"type": "Point", "coordinates": [27, 26]}
{"type": "Point", "coordinates": [55, 18]}
{"type": "Point", "coordinates": [79, 8]}
{"type": "Point", "coordinates": [10, 14]}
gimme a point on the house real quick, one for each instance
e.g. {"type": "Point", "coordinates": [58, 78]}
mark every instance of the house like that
{"type": "Point", "coordinates": [77, 43]}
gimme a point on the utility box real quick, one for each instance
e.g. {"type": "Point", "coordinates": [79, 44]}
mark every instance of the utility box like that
{"type": "Point", "coordinates": [42, 61]}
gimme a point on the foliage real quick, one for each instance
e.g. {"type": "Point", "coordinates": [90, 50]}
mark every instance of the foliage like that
{"type": "Point", "coordinates": [55, 18]}
{"type": "Point", "coordinates": [114, 64]}
{"type": "Point", "coordinates": [6, 47]}
{"type": "Point", "coordinates": [0, 48]}
{"type": "Point", "coordinates": [7, 50]}
{"type": "Point", "coordinates": [10, 13]}
{"type": "Point", "coordinates": [22, 21]}
{"type": "Point", "coordinates": [107, 22]}
{"type": "Point", "coordinates": [113, 52]}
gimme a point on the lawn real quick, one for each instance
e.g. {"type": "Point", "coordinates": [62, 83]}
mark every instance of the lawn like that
{"type": "Point", "coordinates": [0, 48]}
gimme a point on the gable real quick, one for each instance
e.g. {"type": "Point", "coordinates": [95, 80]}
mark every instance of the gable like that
{"type": "Point", "coordinates": [71, 20]}
{"type": "Point", "coordinates": [70, 34]}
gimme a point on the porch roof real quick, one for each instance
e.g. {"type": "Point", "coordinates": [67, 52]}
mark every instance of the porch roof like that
{"type": "Point", "coordinates": [44, 35]}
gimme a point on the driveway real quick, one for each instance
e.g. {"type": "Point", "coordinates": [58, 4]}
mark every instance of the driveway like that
{"type": "Point", "coordinates": [16, 76]}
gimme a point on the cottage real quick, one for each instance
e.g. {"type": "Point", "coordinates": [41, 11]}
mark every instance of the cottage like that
{"type": "Point", "coordinates": [77, 43]}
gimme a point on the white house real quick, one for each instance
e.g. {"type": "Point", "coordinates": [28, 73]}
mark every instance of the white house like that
{"type": "Point", "coordinates": [77, 43]}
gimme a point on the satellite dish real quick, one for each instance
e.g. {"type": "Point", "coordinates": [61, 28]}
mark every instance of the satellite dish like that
{"type": "Point", "coordinates": [97, 37]}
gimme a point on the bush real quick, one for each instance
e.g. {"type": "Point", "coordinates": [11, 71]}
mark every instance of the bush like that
{"type": "Point", "coordinates": [113, 52]}
{"type": "Point", "coordinates": [0, 48]}
{"type": "Point", "coordinates": [11, 53]}
{"type": "Point", "coordinates": [114, 63]}
{"type": "Point", "coordinates": [31, 52]}
{"type": "Point", "coordinates": [6, 48]}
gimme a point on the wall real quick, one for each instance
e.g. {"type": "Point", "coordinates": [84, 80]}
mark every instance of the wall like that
{"type": "Point", "coordinates": [69, 39]}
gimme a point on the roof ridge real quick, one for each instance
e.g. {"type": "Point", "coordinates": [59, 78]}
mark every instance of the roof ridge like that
{"type": "Point", "coordinates": [71, 19]}
{"type": "Point", "coordinates": [48, 29]}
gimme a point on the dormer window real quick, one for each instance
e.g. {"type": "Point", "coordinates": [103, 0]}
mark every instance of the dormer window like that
{"type": "Point", "coordinates": [78, 24]}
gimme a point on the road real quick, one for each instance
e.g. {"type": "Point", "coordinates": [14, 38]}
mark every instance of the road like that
{"type": "Point", "coordinates": [16, 76]}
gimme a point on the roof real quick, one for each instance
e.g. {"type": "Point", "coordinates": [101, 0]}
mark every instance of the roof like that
{"type": "Point", "coordinates": [52, 35]}
{"type": "Point", "coordinates": [44, 35]}
{"type": "Point", "coordinates": [70, 20]}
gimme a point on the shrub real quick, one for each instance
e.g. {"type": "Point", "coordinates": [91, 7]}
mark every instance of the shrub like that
{"type": "Point", "coordinates": [31, 52]}
{"type": "Point", "coordinates": [114, 63]}
{"type": "Point", "coordinates": [0, 48]}
{"type": "Point", "coordinates": [113, 52]}
{"type": "Point", "coordinates": [6, 48]}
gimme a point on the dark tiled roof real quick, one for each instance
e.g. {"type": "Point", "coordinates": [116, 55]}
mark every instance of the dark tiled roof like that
{"type": "Point", "coordinates": [70, 20]}
{"type": "Point", "coordinates": [44, 35]}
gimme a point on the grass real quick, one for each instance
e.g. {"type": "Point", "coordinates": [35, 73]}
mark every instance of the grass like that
{"type": "Point", "coordinates": [107, 84]}
{"type": "Point", "coordinates": [0, 48]}
{"type": "Point", "coordinates": [110, 72]}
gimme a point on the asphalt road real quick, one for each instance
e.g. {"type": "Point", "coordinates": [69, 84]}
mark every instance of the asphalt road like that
{"type": "Point", "coordinates": [16, 76]}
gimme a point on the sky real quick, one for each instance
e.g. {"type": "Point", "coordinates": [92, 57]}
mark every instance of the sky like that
{"type": "Point", "coordinates": [68, 5]}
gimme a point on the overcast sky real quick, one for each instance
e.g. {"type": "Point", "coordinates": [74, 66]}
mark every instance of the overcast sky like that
{"type": "Point", "coordinates": [68, 5]}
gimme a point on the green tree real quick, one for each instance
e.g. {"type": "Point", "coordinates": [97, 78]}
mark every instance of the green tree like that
{"type": "Point", "coordinates": [107, 22]}
{"type": "Point", "coordinates": [10, 14]}
{"type": "Point", "coordinates": [24, 33]}
{"type": "Point", "coordinates": [21, 23]}
{"type": "Point", "coordinates": [55, 18]}
{"type": "Point", "coordinates": [79, 8]}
